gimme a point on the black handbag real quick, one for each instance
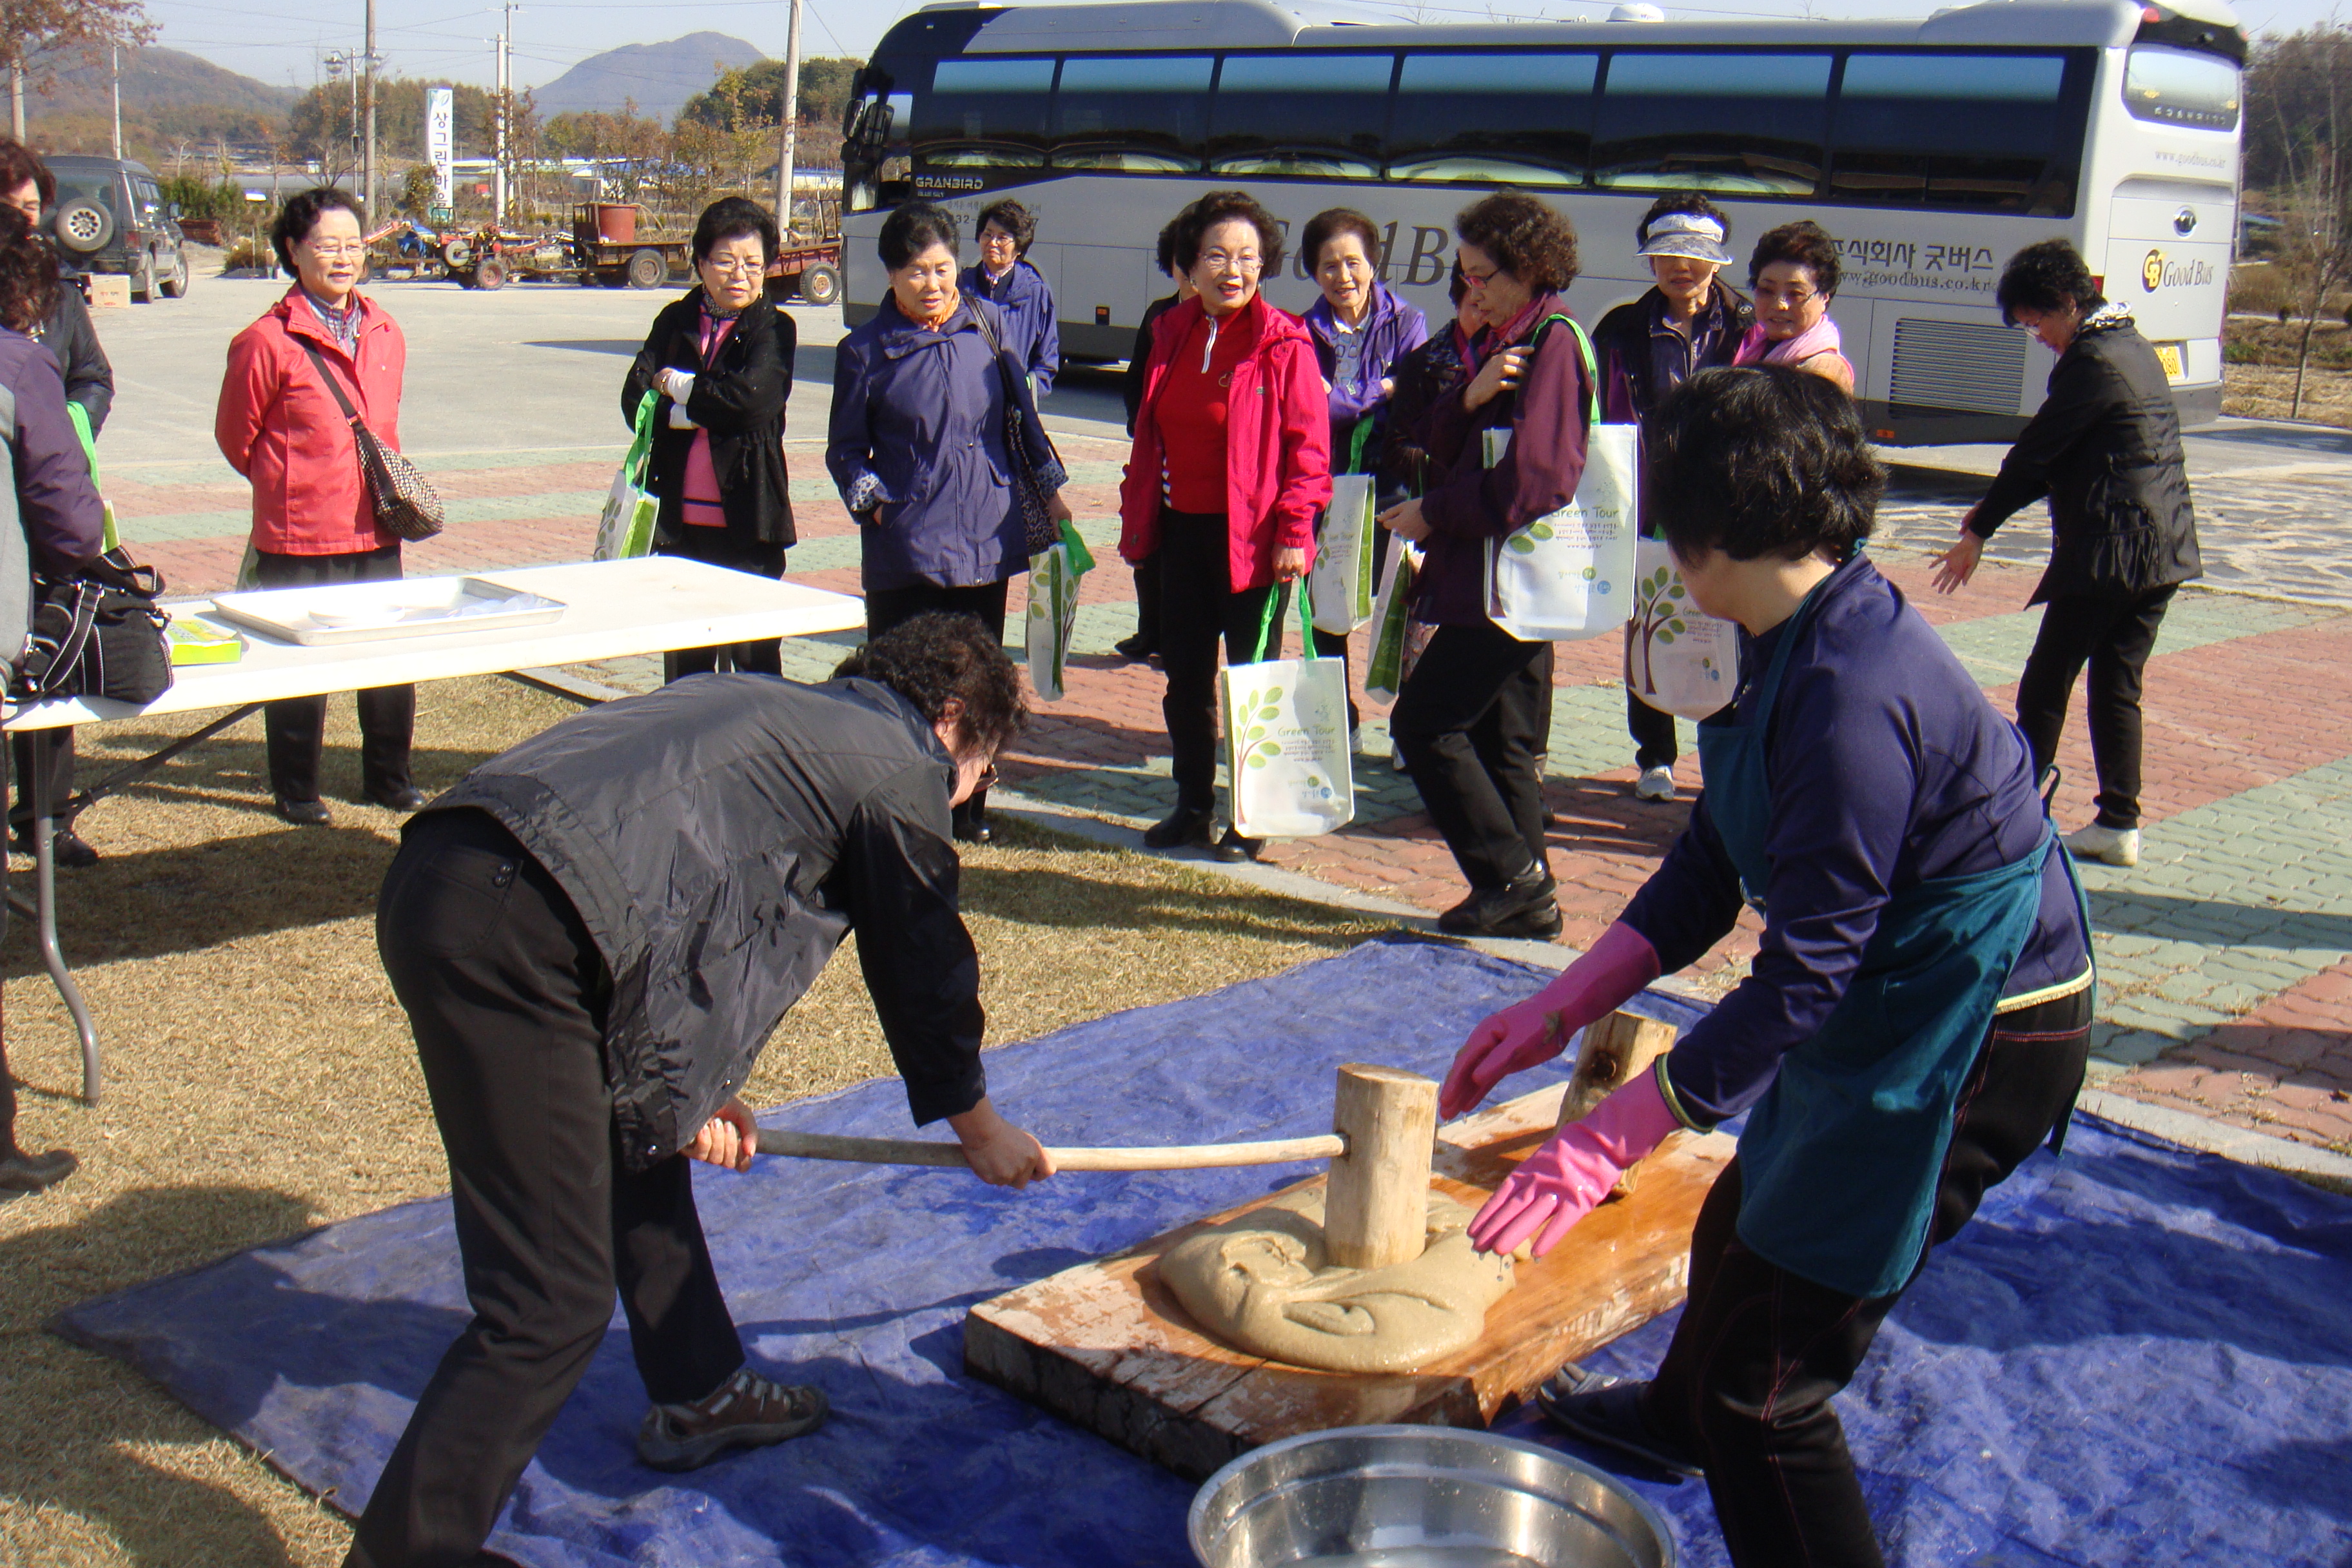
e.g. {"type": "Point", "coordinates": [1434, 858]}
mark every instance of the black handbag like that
{"type": "Point", "coordinates": [406, 502]}
{"type": "Point", "coordinates": [1041, 530]}
{"type": "Point", "coordinates": [99, 634]}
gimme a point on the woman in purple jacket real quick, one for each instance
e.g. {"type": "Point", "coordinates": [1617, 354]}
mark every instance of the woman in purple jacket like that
{"type": "Point", "coordinates": [1474, 716]}
{"type": "Point", "coordinates": [50, 522]}
{"type": "Point", "coordinates": [1360, 331]}
{"type": "Point", "coordinates": [1917, 1016]}
{"type": "Point", "coordinates": [918, 445]}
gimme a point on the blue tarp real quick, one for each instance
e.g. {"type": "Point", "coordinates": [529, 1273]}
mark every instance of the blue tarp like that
{"type": "Point", "coordinates": [2136, 1355]}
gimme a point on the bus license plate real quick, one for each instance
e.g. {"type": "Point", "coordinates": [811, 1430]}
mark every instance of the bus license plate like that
{"type": "Point", "coordinates": [2173, 358]}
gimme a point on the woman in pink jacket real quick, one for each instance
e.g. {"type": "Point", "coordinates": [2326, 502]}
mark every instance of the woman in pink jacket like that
{"type": "Point", "coordinates": [1231, 468]}
{"type": "Point", "coordinates": [279, 424]}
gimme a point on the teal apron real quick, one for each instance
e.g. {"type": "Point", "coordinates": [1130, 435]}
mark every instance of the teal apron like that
{"type": "Point", "coordinates": [1841, 1159]}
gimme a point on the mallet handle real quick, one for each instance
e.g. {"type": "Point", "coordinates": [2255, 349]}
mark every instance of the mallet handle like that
{"type": "Point", "coordinates": [926, 1152]}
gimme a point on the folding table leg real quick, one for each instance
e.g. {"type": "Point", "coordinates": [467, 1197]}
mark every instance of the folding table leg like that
{"type": "Point", "coordinates": [45, 917]}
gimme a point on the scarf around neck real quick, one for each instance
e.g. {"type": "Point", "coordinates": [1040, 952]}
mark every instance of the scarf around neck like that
{"type": "Point", "coordinates": [1821, 338]}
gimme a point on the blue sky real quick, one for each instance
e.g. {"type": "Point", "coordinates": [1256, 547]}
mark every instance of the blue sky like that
{"type": "Point", "coordinates": [450, 39]}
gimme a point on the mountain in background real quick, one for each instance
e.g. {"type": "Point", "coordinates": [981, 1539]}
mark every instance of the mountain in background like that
{"type": "Point", "coordinates": [658, 78]}
{"type": "Point", "coordinates": [152, 78]}
{"type": "Point", "coordinates": [177, 108]}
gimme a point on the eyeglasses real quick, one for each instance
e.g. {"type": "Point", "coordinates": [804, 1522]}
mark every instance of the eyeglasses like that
{"type": "Point", "coordinates": [729, 265]}
{"type": "Point", "coordinates": [987, 779]}
{"type": "Point", "coordinates": [1796, 298]}
{"type": "Point", "coordinates": [332, 252]}
{"type": "Point", "coordinates": [1223, 261]}
{"type": "Point", "coordinates": [1480, 279]}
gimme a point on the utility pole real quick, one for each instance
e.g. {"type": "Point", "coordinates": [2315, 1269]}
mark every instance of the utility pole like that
{"type": "Point", "coordinates": [367, 178]}
{"type": "Point", "coordinates": [506, 83]}
{"type": "Point", "coordinates": [117, 103]}
{"type": "Point", "coordinates": [785, 147]}
{"type": "Point", "coordinates": [17, 98]}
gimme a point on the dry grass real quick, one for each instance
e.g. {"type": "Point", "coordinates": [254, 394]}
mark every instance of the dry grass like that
{"type": "Point", "coordinates": [250, 1035]}
{"type": "Point", "coordinates": [2267, 392]}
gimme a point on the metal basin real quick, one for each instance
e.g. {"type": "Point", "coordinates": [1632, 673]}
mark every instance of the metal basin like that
{"type": "Point", "coordinates": [1420, 1497]}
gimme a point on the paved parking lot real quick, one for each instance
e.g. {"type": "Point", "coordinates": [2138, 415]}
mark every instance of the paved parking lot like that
{"type": "Point", "coordinates": [2226, 957]}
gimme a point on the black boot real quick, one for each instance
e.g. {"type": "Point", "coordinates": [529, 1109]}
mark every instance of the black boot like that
{"type": "Point", "coordinates": [1232, 848]}
{"type": "Point", "coordinates": [1608, 1410]}
{"type": "Point", "coordinates": [1187, 824]}
{"type": "Point", "coordinates": [20, 1172]}
{"type": "Point", "coordinates": [1523, 906]}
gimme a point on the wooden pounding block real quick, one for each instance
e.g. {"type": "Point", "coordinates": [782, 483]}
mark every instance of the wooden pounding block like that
{"type": "Point", "coordinates": [1615, 1049]}
{"type": "Point", "coordinates": [1106, 1346]}
{"type": "Point", "coordinates": [1376, 1210]}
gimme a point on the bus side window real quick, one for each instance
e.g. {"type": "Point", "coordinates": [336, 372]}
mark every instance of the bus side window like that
{"type": "Point", "coordinates": [1949, 129]}
{"type": "Point", "coordinates": [1323, 116]}
{"type": "Point", "coordinates": [1520, 119]}
{"type": "Point", "coordinates": [1138, 114]}
{"type": "Point", "coordinates": [988, 112]}
{"type": "Point", "coordinates": [1750, 124]}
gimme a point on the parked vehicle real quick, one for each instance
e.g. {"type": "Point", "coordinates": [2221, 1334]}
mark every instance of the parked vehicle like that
{"type": "Point", "coordinates": [112, 217]}
{"type": "Point", "coordinates": [606, 247]}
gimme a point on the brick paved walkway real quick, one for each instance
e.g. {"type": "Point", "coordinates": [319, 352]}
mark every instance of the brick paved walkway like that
{"type": "Point", "coordinates": [2226, 956]}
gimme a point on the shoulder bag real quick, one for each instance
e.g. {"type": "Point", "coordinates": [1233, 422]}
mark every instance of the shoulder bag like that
{"type": "Point", "coordinates": [1039, 527]}
{"type": "Point", "coordinates": [404, 502]}
{"type": "Point", "coordinates": [99, 634]}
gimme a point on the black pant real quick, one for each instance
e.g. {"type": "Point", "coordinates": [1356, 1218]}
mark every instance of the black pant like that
{"type": "Point", "coordinates": [1147, 604]}
{"type": "Point", "coordinates": [49, 752]}
{"type": "Point", "coordinates": [720, 548]}
{"type": "Point", "coordinates": [506, 994]}
{"type": "Point", "coordinates": [1472, 722]}
{"type": "Point", "coordinates": [1745, 1384]}
{"type": "Point", "coordinates": [886, 607]}
{"type": "Point", "coordinates": [1654, 745]}
{"type": "Point", "coordinates": [296, 726]}
{"type": "Point", "coordinates": [1198, 605]}
{"type": "Point", "coordinates": [2115, 636]}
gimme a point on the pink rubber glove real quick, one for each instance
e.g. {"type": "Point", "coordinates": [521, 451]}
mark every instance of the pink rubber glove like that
{"type": "Point", "coordinates": [1530, 1033]}
{"type": "Point", "coordinates": [1562, 1182]}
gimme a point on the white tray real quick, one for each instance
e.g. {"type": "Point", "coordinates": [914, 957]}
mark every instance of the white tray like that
{"type": "Point", "coordinates": [370, 611]}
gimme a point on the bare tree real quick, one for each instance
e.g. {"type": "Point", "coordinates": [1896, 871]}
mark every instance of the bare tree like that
{"type": "Point", "coordinates": [2299, 91]}
{"type": "Point", "coordinates": [36, 35]}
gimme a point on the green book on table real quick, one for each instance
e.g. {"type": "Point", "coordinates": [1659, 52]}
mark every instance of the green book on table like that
{"type": "Point", "coordinates": [193, 642]}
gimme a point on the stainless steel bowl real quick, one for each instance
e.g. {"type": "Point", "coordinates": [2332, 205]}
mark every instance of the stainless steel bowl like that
{"type": "Point", "coordinates": [1420, 1497]}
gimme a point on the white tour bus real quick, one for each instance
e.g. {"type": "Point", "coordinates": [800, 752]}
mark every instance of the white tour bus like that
{"type": "Point", "coordinates": [1933, 150]}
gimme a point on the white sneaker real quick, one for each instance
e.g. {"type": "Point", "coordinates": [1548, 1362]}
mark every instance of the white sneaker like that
{"type": "Point", "coordinates": [1355, 740]}
{"type": "Point", "coordinates": [1655, 783]}
{"type": "Point", "coordinates": [2114, 846]}
{"type": "Point", "coordinates": [1396, 756]}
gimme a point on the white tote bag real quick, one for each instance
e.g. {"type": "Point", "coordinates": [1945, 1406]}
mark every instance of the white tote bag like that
{"type": "Point", "coordinates": [1340, 586]}
{"type": "Point", "coordinates": [626, 530]}
{"type": "Point", "coordinates": [1570, 573]}
{"type": "Point", "coordinates": [1053, 617]}
{"type": "Point", "coordinates": [1385, 671]}
{"type": "Point", "coordinates": [1676, 660]}
{"type": "Point", "coordinates": [1287, 759]}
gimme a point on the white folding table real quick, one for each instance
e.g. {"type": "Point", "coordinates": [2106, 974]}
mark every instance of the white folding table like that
{"type": "Point", "coordinates": [612, 609]}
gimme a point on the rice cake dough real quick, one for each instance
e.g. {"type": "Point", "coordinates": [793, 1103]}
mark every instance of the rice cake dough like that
{"type": "Point", "coordinates": [1265, 1283]}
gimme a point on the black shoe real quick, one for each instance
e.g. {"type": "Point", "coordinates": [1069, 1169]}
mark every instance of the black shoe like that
{"type": "Point", "coordinates": [1541, 923]}
{"type": "Point", "coordinates": [407, 797]}
{"type": "Point", "coordinates": [35, 1172]}
{"type": "Point", "coordinates": [1232, 848]}
{"type": "Point", "coordinates": [1137, 647]}
{"type": "Point", "coordinates": [1607, 1411]}
{"type": "Point", "coordinates": [1185, 825]}
{"type": "Point", "coordinates": [971, 829]}
{"type": "Point", "coordinates": [304, 813]}
{"type": "Point", "coordinates": [1489, 910]}
{"type": "Point", "coordinates": [67, 847]}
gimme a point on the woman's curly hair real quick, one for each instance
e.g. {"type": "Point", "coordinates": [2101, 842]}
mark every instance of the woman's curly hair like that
{"type": "Point", "coordinates": [2047, 277]}
{"type": "Point", "coordinates": [935, 659]}
{"type": "Point", "coordinates": [1761, 460]}
{"type": "Point", "coordinates": [1804, 242]}
{"type": "Point", "coordinates": [28, 273]}
{"type": "Point", "coordinates": [1525, 237]}
{"type": "Point", "coordinates": [1194, 224]}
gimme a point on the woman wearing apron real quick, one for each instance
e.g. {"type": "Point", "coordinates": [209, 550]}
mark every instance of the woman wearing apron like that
{"type": "Point", "coordinates": [1917, 1016]}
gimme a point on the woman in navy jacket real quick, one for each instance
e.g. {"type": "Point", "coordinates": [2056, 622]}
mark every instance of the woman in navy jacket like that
{"type": "Point", "coordinates": [918, 445]}
{"type": "Point", "coordinates": [1918, 1013]}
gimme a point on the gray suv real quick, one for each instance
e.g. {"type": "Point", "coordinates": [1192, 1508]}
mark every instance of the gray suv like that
{"type": "Point", "coordinates": [112, 217]}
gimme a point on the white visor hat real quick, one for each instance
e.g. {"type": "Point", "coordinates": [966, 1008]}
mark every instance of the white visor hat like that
{"type": "Point", "coordinates": [1693, 235]}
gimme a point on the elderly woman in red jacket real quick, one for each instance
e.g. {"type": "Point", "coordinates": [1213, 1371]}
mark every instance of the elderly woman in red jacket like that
{"type": "Point", "coordinates": [1232, 466]}
{"type": "Point", "coordinates": [279, 425]}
